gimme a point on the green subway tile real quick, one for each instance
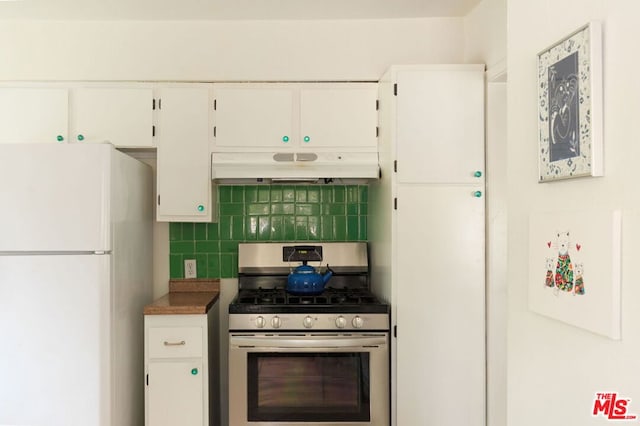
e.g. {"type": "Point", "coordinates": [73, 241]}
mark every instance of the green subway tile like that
{"type": "Point", "coordinates": [230, 209]}
{"type": "Point", "coordinates": [251, 228]}
{"type": "Point", "coordinates": [229, 247]}
{"type": "Point", "coordinates": [258, 209]}
{"type": "Point", "coordinates": [277, 228]}
{"type": "Point", "coordinates": [213, 265]}
{"type": "Point", "coordinates": [326, 194]}
{"type": "Point", "coordinates": [302, 228]}
{"type": "Point", "coordinates": [288, 194]}
{"type": "Point", "coordinates": [212, 232]}
{"type": "Point", "coordinates": [289, 224]}
{"type": "Point", "coordinates": [362, 236]}
{"type": "Point", "coordinates": [339, 194]}
{"type": "Point", "coordinates": [207, 247]}
{"type": "Point", "coordinates": [237, 228]}
{"type": "Point", "coordinates": [314, 227]}
{"type": "Point", "coordinates": [301, 194]}
{"type": "Point", "coordinates": [340, 228]}
{"type": "Point", "coordinates": [234, 265]}
{"type": "Point", "coordinates": [326, 227]}
{"type": "Point", "coordinates": [353, 195]}
{"type": "Point", "coordinates": [237, 194]}
{"type": "Point", "coordinates": [264, 228]}
{"type": "Point", "coordinates": [181, 247]}
{"type": "Point", "coordinates": [364, 193]}
{"type": "Point", "coordinates": [175, 231]}
{"type": "Point", "coordinates": [226, 266]}
{"type": "Point", "coordinates": [353, 225]}
{"type": "Point", "coordinates": [303, 209]}
{"type": "Point", "coordinates": [313, 194]}
{"type": "Point", "coordinates": [337, 209]}
{"type": "Point", "coordinates": [264, 194]}
{"type": "Point", "coordinates": [277, 208]}
{"type": "Point", "coordinates": [175, 266]}
{"type": "Point", "coordinates": [224, 192]}
{"type": "Point", "coordinates": [225, 227]}
{"type": "Point", "coordinates": [200, 231]}
{"type": "Point", "coordinates": [364, 209]}
{"type": "Point", "coordinates": [288, 208]}
{"type": "Point", "coordinates": [251, 194]}
{"type": "Point", "coordinates": [188, 232]}
{"type": "Point", "coordinates": [201, 266]}
{"type": "Point", "coordinates": [352, 209]}
{"type": "Point", "coordinates": [276, 194]}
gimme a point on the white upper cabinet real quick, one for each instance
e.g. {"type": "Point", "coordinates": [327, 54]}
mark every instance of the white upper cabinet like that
{"type": "Point", "coordinates": [295, 116]}
{"type": "Point", "coordinates": [122, 116]}
{"type": "Point", "coordinates": [33, 114]}
{"type": "Point", "coordinates": [440, 133]}
{"type": "Point", "coordinates": [118, 113]}
{"type": "Point", "coordinates": [184, 163]}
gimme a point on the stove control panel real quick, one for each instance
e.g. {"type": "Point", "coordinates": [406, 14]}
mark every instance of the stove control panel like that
{"type": "Point", "coordinates": [315, 321]}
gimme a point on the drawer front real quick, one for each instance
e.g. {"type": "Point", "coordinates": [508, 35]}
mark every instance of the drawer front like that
{"type": "Point", "coordinates": [175, 342]}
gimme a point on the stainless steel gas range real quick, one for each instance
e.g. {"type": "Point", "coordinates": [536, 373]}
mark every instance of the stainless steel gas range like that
{"type": "Point", "coordinates": [302, 357]}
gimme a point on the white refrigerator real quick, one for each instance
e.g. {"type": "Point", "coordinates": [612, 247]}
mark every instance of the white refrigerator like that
{"type": "Point", "coordinates": [75, 273]}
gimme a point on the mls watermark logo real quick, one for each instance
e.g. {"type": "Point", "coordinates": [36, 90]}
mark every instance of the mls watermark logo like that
{"type": "Point", "coordinates": [610, 406]}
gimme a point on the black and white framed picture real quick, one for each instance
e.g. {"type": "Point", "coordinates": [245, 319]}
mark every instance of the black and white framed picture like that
{"type": "Point", "coordinates": [570, 106]}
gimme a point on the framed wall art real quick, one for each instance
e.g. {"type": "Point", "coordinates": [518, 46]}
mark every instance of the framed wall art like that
{"type": "Point", "coordinates": [575, 260]}
{"type": "Point", "coordinates": [570, 106]}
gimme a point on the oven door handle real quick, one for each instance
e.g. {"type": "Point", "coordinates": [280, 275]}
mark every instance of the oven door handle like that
{"type": "Point", "coordinates": [322, 343]}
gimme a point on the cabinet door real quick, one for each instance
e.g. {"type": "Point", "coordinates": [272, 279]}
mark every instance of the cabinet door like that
{"type": "Point", "coordinates": [175, 393]}
{"type": "Point", "coordinates": [440, 125]}
{"type": "Point", "coordinates": [338, 116]}
{"type": "Point", "coordinates": [254, 116]}
{"type": "Point", "coordinates": [184, 164]}
{"type": "Point", "coordinates": [440, 305]}
{"type": "Point", "coordinates": [122, 116]}
{"type": "Point", "coordinates": [33, 115]}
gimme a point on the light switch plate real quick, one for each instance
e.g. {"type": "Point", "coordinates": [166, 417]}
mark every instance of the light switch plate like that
{"type": "Point", "coordinates": [190, 268]}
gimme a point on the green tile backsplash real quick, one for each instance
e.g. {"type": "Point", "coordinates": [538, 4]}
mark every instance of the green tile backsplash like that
{"type": "Point", "coordinates": [267, 213]}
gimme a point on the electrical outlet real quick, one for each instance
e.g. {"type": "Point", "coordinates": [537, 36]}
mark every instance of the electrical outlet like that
{"type": "Point", "coordinates": [190, 268]}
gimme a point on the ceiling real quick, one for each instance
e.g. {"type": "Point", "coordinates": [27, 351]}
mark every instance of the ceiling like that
{"type": "Point", "coordinates": [231, 9]}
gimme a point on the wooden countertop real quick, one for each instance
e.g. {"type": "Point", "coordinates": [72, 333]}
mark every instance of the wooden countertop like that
{"type": "Point", "coordinates": [185, 297]}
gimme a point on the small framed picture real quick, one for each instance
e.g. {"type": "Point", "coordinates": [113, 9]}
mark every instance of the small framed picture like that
{"type": "Point", "coordinates": [570, 106]}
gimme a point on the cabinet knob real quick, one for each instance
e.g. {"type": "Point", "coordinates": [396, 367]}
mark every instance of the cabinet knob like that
{"type": "Point", "coordinates": [477, 194]}
{"type": "Point", "coordinates": [478, 173]}
{"type": "Point", "coordinates": [194, 371]}
{"type": "Point", "coordinates": [200, 208]}
{"type": "Point", "coordinates": [306, 139]}
{"type": "Point", "coordinates": [80, 137]}
{"type": "Point", "coordinates": [285, 139]}
{"type": "Point", "coordinates": [59, 138]}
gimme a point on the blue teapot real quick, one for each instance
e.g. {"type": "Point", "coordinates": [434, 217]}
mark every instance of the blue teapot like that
{"type": "Point", "coordinates": [304, 280]}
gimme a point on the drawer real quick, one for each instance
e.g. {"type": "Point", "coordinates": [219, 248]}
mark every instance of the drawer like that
{"type": "Point", "coordinates": [175, 342]}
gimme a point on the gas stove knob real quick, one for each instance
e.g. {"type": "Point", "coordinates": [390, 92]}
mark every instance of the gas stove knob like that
{"type": "Point", "coordinates": [276, 322]}
{"type": "Point", "coordinates": [341, 322]}
{"type": "Point", "coordinates": [260, 322]}
{"type": "Point", "coordinates": [307, 322]}
{"type": "Point", "coordinates": [357, 322]}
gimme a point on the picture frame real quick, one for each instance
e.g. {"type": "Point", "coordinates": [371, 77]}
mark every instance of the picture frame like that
{"type": "Point", "coordinates": [570, 106]}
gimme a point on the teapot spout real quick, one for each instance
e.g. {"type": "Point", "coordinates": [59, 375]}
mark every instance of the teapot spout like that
{"type": "Point", "coordinates": [327, 275]}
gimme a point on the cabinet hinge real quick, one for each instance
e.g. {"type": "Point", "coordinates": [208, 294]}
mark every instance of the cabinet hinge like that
{"type": "Point", "coordinates": [153, 130]}
{"type": "Point", "coordinates": [395, 334]}
{"type": "Point", "coordinates": [377, 131]}
{"type": "Point", "coordinates": [395, 203]}
{"type": "Point", "coordinates": [159, 103]}
{"type": "Point", "coordinates": [395, 166]}
{"type": "Point", "coordinates": [395, 89]}
{"type": "Point", "coordinates": [147, 380]}
{"type": "Point", "coordinates": [214, 131]}
{"type": "Point", "coordinates": [215, 104]}
{"type": "Point", "coordinates": [158, 199]}
{"type": "Point", "coordinates": [153, 104]}
{"type": "Point", "coordinates": [377, 105]}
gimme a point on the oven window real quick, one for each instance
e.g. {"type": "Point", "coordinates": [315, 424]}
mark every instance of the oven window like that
{"type": "Point", "coordinates": [299, 387]}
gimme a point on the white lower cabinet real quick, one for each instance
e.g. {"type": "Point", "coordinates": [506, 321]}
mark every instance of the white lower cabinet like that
{"type": "Point", "coordinates": [181, 383]}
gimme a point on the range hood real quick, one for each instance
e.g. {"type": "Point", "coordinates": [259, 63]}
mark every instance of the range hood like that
{"type": "Point", "coordinates": [290, 166]}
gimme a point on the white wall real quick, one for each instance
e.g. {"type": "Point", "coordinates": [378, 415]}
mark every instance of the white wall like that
{"type": "Point", "coordinates": [554, 369]}
{"type": "Point", "coordinates": [485, 36]}
{"type": "Point", "coordinates": [223, 50]}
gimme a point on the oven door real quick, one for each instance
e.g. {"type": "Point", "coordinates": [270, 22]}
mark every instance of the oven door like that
{"type": "Point", "coordinates": [310, 379]}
